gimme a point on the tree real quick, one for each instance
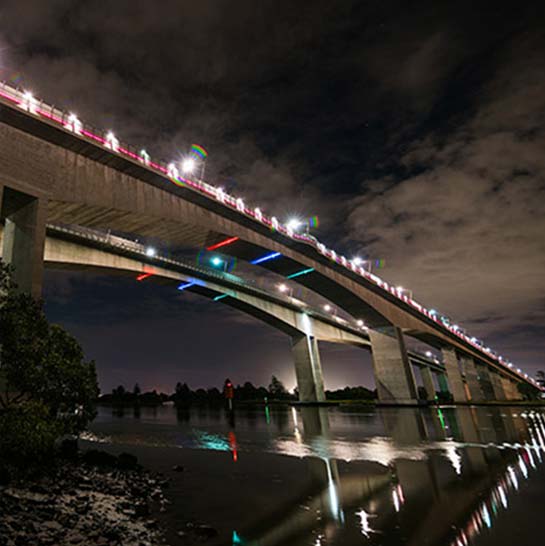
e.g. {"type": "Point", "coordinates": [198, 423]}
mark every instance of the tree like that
{"type": "Point", "coordinates": [276, 388]}
{"type": "Point", "coordinates": [182, 394]}
{"type": "Point", "coordinates": [527, 391]}
{"type": "Point", "coordinates": [43, 363]}
{"type": "Point", "coordinates": [136, 390]}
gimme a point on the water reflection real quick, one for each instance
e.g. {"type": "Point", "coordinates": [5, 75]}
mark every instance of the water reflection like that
{"type": "Point", "coordinates": [389, 476]}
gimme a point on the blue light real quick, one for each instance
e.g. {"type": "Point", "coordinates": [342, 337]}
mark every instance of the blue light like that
{"type": "Point", "coordinates": [266, 258]}
{"type": "Point", "coordinates": [216, 261]}
{"type": "Point", "coordinates": [303, 272]}
{"type": "Point", "coordinates": [186, 285]}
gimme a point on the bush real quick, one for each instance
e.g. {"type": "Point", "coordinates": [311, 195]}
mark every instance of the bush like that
{"type": "Point", "coordinates": [48, 389]}
{"type": "Point", "coordinates": [28, 439]}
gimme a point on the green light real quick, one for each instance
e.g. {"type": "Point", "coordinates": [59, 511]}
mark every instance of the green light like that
{"type": "Point", "coordinates": [220, 297]}
{"type": "Point", "coordinates": [441, 418]}
{"type": "Point", "coordinates": [237, 539]}
{"type": "Point", "coordinates": [299, 273]}
{"type": "Point", "coordinates": [267, 415]}
{"type": "Point", "coordinates": [216, 261]}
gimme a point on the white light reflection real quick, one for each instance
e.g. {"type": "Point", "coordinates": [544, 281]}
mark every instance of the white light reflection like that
{"type": "Point", "coordinates": [294, 415]}
{"type": "Point", "coordinates": [365, 528]}
{"type": "Point", "coordinates": [513, 477]}
{"type": "Point", "coordinates": [523, 468]}
{"type": "Point", "coordinates": [530, 456]}
{"type": "Point", "coordinates": [486, 516]}
{"type": "Point", "coordinates": [333, 495]}
{"type": "Point", "coordinates": [395, 498]}
{"type": "Point", "coordinates": [455, 459]}
{"type": "Point", "coordinates": [502, 495]}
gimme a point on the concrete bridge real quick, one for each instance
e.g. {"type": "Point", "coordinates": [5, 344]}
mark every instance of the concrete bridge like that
{"type": "Point", "coordinates": [76, 249]}
{"type": "Point", "coordinates": [56, 170]}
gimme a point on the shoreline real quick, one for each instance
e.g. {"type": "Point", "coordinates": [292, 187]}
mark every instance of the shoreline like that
{"type": "Point", "coordinates": [90, 498]}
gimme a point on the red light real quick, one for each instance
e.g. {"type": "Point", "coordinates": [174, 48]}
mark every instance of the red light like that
{"type": "Point", "coordinates": [222, 243]}
{"type": "Point", "coordinates": [143, 276]}
{"type": "Point", "coordinates": [233, 445]}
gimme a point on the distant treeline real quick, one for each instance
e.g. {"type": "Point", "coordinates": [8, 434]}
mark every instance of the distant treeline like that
{"type": "Point", "coordinates": [183, 395]}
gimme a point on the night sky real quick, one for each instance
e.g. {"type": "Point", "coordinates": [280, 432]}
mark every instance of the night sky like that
{"type": "Point", "coordinates": [414, 130]}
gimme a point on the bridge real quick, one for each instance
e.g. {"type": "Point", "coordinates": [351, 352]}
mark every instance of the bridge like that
{"type": "Point", "coordinates": [77, 248]}
{"type": "Point", "coordinates": [57, 170]}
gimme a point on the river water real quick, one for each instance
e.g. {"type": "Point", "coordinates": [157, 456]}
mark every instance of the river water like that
{"type": "Point", "coordinates": [278, 475]}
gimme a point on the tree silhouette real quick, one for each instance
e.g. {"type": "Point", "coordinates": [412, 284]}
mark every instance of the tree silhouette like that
{"type": "Point", "coordinates": [276, 388]}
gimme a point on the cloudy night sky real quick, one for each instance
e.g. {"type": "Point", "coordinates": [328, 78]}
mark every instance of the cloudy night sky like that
{"type": "Point", "coordinates": [414, 130]}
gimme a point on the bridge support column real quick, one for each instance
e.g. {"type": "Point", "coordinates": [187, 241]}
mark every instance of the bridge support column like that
{"type": "Point", "coordinates": [23, 238]}
{"type": "Point", "coordinates": [443, 383]}
{"type": "Point", "coordinates": [486, 382]}
{"type": "Point", "coordinates": [393, 372]}
{"type": "Point", "coordinates": [308, 369]}
{"type": "Point", "coordinates": [510, 389]}
{"type": "Point", "coordinates": [497, 386]}
{"type": "Point", "coordinates": [427, 379]}
{"type": "Point", "coordinates": [454, 375]}
{"type": "Point", "coordinates": [472, 379]}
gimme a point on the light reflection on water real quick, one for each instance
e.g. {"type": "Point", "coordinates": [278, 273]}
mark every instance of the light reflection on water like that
{"type": "Point", "coordinates": [441, 476]}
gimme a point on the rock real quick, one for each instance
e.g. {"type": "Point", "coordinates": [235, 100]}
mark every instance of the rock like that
{"type": "Point", "coordinates": [19, 494]}
{"type": "Point", "coordinates": [178, 468]}
{"type": "Point", "coordinates": [99, 458]}
{"type": "Point", "coordinates": [126, 461]}
{"type": "Point", "coordinates": [51, 526]}
{"type": "Point", "coordinates": [68, 448]}
{"type": "Point", "coordinates": [205, 531]}
{"type": "Point", "coordinates": [141, 510]}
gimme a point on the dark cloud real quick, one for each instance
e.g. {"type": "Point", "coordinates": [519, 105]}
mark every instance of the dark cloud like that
{"type": "Point", "coordinates": [414, 130]}
{"type": "Point", "coordinates": [466, 233]}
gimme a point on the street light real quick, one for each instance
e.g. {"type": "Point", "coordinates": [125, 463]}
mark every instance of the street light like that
{"type": "Point", "coordinates": [294, 223]}
{"type": "Point", "coordinates": [188, 165]}
{"type": "Point", "coordinates": [358, 262]}
{"type": "Point", "coordinates": [400, 290]}
{"type": "Point", "coordinates": [218, 263]}
{"type": "Point", "coordinates": [150, 252]}
{"type": "Point", "coordinates": [285, 289]}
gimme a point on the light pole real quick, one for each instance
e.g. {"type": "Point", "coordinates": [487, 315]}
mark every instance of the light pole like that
{"type": "Point", "coordinates": [285, 289]}
{"type": "Point", "coordinates": [359, 262]}
{"type": "Point", "coordinates": [400, 291]}
{"type": "Point", "coordinates": [216, 262]}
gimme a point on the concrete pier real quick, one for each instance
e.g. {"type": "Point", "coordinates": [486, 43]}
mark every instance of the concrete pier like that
{"type": "Point", "coordinates": [454, 375]}
{"type": "Point", "coordinates": [23, 238]}
{"type": "Point", "coordinates": [393, 373]}
{"type": "Point", "coordinates": [308, 369]}
{"type": "Point", "coordinates": [472, 379]}
{"type": "Point", "coordinates": [486, 382]}
{"type": "Point", "coordinates": [497, 386]}
{"type": "Point", "coordinates": [429, 385]}
{"type": "Point", "coordinates": [510, 389]}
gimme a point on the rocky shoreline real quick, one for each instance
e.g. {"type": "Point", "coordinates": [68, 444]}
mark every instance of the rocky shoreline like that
{"type": "Point", "coordinates": [98, 499]}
